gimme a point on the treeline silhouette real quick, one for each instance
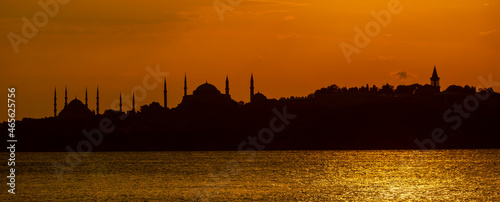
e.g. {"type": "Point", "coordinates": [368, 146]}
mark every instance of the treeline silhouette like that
{"type": "Point", "coordinates": [330, 118]}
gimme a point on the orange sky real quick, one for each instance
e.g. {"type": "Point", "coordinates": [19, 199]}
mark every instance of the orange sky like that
{"type": "Point", "coordinates": [292, 47]}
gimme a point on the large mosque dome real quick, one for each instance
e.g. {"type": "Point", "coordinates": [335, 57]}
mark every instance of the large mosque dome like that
{"type": "Point", "coordinates": [75, 110]}
{"type": "Point", "coordinates": [206, 89]}
{"type": "Point", "coordinates": [207, 96]}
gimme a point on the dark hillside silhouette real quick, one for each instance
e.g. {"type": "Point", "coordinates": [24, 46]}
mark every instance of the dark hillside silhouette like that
{"type": "Point", "coordinates": [367, 117]}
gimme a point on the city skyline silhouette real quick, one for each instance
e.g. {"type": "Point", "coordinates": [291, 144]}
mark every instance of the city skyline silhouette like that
{"type": "Point", "coordinates": [375, 117]}
{"type": "Point", "coordinates": [206, 89]}
{"type": "Point", "coordinates": [293, 52]}
{"type": "Point", "coordinates": [250, 100]}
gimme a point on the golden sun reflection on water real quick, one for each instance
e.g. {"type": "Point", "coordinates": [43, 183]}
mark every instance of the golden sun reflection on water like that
{"type": "Point", "coordinates": [273, 175]}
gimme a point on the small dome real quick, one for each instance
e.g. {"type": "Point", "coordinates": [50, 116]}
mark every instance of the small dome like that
{"type": "Point", "coordinates": [258, 97]}
{"type": "Point", "coordinates": [206, 89]}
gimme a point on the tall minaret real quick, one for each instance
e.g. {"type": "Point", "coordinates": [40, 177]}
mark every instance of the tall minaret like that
{"type": "Point", "coordinates": [120, 101]}
{"type": "Point", "coordinates": [185, 85]}
{"type": "Point", "coordinates": [251, 88]}
{"type": "Point", "coordinates": [227, 85]}
{"type": "Point", "coordinates": [55, 103]}
{"type": "Point", "coordinates": [65, 96]}
{"type": "Point", "coordinates": [86, 99]}
{"type": "Point", "coordinates": [435, 78]}
{"type": "Point", "coordinates": [165, 92]}
{"type": "Point", "coordinates": [133, 101]}
{"type": "Point", "coordinates": [97, 103]}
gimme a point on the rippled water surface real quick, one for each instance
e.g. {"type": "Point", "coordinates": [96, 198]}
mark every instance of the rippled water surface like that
{"type": "Point", "coordinates": [269, 175]}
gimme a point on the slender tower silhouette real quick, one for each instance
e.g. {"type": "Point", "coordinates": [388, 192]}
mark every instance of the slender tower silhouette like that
{"type": "Point", "coordinates": [165, 92]}
{"type": "Point", "coordinates": [55, 103]}
{"type": "Point", "coordinates": [97, 103]}
{"type": "Point", "coordinates": [227, 85]}
{"type": "Point", "coordinates": [185, 85]}
{"type": "Point", "coordinates": [251, 87]}
{"type": "Point", "coordinates": [65, 96]}
{"type": "Point", "coordinates": [120, 101]}
{"type": "Point", "coordinates": [435, 78]}
{"type": "Point", "coordinates": [133, 101]}
{"type": "Point", "coordinates": [86, 98]}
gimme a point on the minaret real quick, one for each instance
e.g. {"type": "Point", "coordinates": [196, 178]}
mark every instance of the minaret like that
{"type": "Point", "coordinates": [120, 101]}
{"type": "Point", "coordinates": [65, 96]}
{"type": "Point", "coordinates": [165, 92]}
{"type": "Point", "coordinates": [227, 85]}
{"type": "Point", "coordinates": [435, 78]}
{"type": "Point", "coordinates": [133, 102]}
{"type": "Point", "coordinates": [97, 103]}
{"type": "Point", "coordinates": [251, 88]}
{"type": "Point", "coordinates": [55, 103]}
{"type": "Point", "coordinates": [185, 85]}
{"type": "Point", "coordinates": [86, 99]}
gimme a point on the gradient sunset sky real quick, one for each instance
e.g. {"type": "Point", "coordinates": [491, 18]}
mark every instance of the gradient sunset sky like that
{"type": "Point", "coordinates": [292, 47]}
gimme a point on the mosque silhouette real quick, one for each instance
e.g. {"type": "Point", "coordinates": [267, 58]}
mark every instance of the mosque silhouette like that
{"type": "Point", "coordinates": [205, 94]}
{"type": "Point", "coordinates": [332, 117]}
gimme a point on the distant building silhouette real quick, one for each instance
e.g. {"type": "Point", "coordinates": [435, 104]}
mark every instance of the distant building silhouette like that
{"type": "Point", "coordinates": [251, 87]}
{"type": "Point", "coordinates": [185, 85]}
{"type": "Point", "coordinates": [435, 79]}
{"type": "Point", "coordinates": [259, 98]}
{"type": "Point", "coordinates": [133, 102]}
{"type": "Point", "coordinates": [165, 93]}
{"type": "Point", "coordinates": [206, 95]}
{"type": "Point", "coordinates": [227, 86]}
{"type": "Point", "coordinates": [65, 96]}
{"type": "Point", "coordinates": [74, 106]}
{"type": "Point", "coordinates": [209, 93]}
{"type": "Point", "coordinates": [120, 111]}
{"type": "Point", "coordinates": [75, 110]}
